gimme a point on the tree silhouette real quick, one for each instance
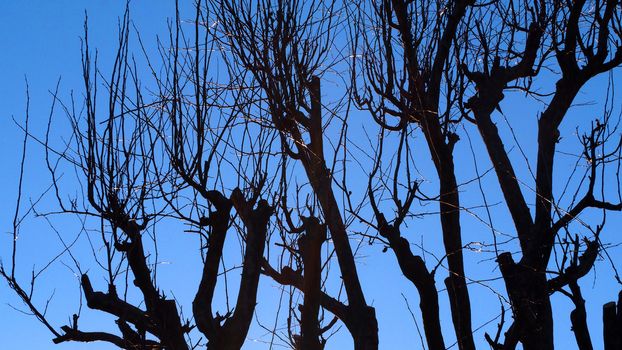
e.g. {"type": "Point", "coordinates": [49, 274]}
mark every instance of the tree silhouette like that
{"type": "Point", "coordinates": [235, 139]}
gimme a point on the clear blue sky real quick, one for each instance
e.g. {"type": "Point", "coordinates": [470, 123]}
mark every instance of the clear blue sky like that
{"type": "Point", "coordinates": [40, 40]}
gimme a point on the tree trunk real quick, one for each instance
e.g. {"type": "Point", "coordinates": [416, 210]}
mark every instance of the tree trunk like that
{"type": "Point", "coordinates": [612, 324]}
{"type": "Point", "coordinates": [527, 289]}
{"type": "Point", "coordinates": [449, 202]}
{"type": "Point", "coordinates": [364, 329]}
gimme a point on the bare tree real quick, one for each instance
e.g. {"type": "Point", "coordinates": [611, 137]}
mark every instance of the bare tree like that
{"type": "Point", "coordinates": [235, 138]}
{"type": "Point", "coordinates": [418, 64]}
{"type": "Point", "coordinates": [145, 162]}
{"type": "Point", "coordinates": [425, 32]}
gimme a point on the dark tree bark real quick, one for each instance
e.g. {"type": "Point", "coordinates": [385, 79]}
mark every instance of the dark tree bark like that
{"type": "Point", "coordinates": [310, 245]}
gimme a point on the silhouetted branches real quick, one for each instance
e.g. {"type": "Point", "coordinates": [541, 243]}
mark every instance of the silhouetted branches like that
{"type": "Point", "coordinates": [232, 130]}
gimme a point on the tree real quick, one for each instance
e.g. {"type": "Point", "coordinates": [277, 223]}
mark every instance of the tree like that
{"type": "Point", "coordinates": [256, 149]}
{"type": "Point", "coordinates": [514, 42]}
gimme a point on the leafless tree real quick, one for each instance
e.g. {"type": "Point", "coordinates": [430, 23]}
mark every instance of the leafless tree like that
{"type": "Point", "coordinates": [440, 64]}
{"type": "Point", "coordinates": [235, 137]}
{"type": "Point", "coordinates": [145, 162]}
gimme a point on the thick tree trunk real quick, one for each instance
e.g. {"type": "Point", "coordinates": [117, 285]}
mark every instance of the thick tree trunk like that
{"type": "Point", "coordinates": [612, 324]}
{"type": "Point", "coordinates": [364, 328]}
{"type": "Point", "coordinates": [527, 289]}
{"type": "Point", "coordinates": [310, 245]}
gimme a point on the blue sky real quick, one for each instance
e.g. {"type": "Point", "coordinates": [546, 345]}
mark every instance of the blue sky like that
{"type": "Point", "coordinates": [40, 41]}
